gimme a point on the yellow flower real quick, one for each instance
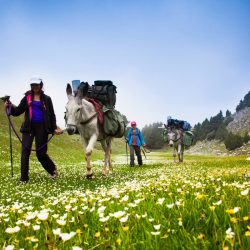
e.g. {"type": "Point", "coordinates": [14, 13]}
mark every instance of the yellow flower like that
{"type": "Point", "coordinates": [78, 231]}
{"type": "Point", "coordinates": [245, 218]}
{"type": "Point", "coordinates": [119, 241]}
{"type": "Point", "coordinates": [233, 219]}
{"type": "Point", "coordinates": [200, 196]}
{"type": "Point", "coordinates": [85, 225]}
{"type": "Point", "coordinates": [212, 208]}
{"type": "Point", "coordinates": [201, 236]}
{"type": "Point", "coordinates": [247, 233]}
{"type": "Point", "coordinates": [125, 228]}
{"type": "Point", "coordinates": [97, 234]}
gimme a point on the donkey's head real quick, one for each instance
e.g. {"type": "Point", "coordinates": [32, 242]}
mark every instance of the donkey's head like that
{"type": "Point", "coordinates": [174, 135]}
{"type": "Point", "coordinates": [73, 108]}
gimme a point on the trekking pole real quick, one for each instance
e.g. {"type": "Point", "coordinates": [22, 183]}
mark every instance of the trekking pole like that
{"type": "Point", "coordinates": [8, 110]}
{"type": "Point", "coordinates": [126, 149]}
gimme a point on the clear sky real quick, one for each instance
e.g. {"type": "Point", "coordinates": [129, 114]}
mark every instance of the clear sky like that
{"type": "Point", "coordinates": [184, 58]}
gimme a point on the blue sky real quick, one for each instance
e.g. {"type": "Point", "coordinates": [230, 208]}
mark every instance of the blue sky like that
{"type": "Point", "coordinates": [184, 58]}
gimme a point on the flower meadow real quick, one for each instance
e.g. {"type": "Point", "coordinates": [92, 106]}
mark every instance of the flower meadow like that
{"type": "Point", "coordinates": [203, 203]}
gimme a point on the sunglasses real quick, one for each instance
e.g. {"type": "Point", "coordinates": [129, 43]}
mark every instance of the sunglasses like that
{"type": "Point", "coordinates": [34, 84]}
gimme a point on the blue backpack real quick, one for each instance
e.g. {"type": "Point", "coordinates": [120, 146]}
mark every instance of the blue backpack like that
{"type": "Point", "coordinates": [186, 126]}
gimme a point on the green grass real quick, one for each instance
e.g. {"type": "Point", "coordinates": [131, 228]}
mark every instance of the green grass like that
{"type": "Point", "coordinates": [200, 204]}
{"type": "Point", "coordinates": [157, 206]}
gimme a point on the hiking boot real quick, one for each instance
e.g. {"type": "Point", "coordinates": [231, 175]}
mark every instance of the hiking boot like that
{"type": "Point", "coordinates": [20, 182]}
{"type": "Point", "coordinates": [54, 175]}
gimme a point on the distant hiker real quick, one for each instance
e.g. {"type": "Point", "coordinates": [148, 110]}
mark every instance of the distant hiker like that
{"type": "Point", "coordinates": [135, 141]}
{"type": "Point", "coordinates": [39, 121]}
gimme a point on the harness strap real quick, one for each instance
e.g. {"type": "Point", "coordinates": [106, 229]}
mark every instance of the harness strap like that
{"type": "Point", "coordinates": [30, 106]}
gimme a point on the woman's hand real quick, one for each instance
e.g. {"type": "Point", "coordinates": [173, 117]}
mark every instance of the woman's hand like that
{"type": "Point", "coordinates": [58, 131]}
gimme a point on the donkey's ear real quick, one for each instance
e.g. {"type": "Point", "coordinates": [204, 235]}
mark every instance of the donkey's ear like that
{"type": "Point", "coordinates": [68, 90]}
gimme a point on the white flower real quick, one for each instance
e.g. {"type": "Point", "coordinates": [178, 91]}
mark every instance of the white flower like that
{"type": "Point", "coordinates": [217, 203]}
{"type": "Point", "coordinates": [157, 227]}
{"type": "Point", "coordinates": [76, 248]}
{"type": "Point", "coordinates": [124, 219]}
{"type": "Point", "coordinates": [244, 192]}
{"type": "Point", "coordinates": [230, 233]}
{"type": "Point", "coordinates": [61, 222]}
{"type": "Point", "coordinates": [124, 198]}
{"type": "Point", "coordinates": [43, 216]}
{"type": "Point", "coordinates": [9, 247]}
{"type": "Point", "coordinates": [155, 233]}
{"type": "Point", "coordinates": [236, 210]}
{"type": "Point", "coordinates": [12, 230]}
{"type": "Point", "coordinates": [66, 236]}
{"type": "Point", "coordinates": [170, 205]}
{"type": "Point", "coordinates": [104, 219]}
{"type": "Point", "coordinates": [101, 209]}
{"type": "Point", "coordinates": [118, 214]}
{"type": "Point", "coordinates": [36, 227]}
{"type": "Point", "coordinates": [160, 201]}
{"type": "Point", "coordinates": [56, 231]}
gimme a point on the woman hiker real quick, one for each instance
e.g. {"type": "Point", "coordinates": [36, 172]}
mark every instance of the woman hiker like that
{"type": "Point", "coordinates": [135, 141]}
{"type": "Point", "coordinates": [39, 122]}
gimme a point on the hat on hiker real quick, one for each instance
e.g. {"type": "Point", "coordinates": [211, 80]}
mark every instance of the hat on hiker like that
{"type": "Point", "coordinates": [133, 123]}
{"type": "Point", "coordinates": [36, 80]}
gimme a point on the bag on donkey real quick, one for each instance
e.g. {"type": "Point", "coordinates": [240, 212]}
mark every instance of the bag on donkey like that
{"type": "Point", "coordinates": [113, 122]}
{"type": "Point", "coordinates": [188, 138]}
{"type": "Point", "coordinates": [103, 91]}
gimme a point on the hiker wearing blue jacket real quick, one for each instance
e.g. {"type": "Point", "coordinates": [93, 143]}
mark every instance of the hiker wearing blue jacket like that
{"type": "Point", "coordinates": [135, 141]}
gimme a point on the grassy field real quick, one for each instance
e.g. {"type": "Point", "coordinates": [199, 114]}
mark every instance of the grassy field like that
{"type": "Point", "coordinates": [200, 204]}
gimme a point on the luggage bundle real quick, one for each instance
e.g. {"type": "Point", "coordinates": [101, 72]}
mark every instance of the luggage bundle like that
{"type": "Point", "coordinates": [104, 92]}
{"type": "Point", "coordinates": [178, 124]}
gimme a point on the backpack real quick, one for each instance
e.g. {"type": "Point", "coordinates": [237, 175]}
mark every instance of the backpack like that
{"type": "Point", "coordinates": [188, 138]}
{"type": "Point", "coordinates": [113, 122]}
{"type": "Point", "coordinates": [103, 91]}
{"type": "Point", "coordinates": [186, 126]}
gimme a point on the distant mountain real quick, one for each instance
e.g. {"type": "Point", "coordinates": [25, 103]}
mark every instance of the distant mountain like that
{"type": "Point", "coordinates": [241, 122]}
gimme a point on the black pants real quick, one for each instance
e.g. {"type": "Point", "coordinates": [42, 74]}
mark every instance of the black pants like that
{"type": "Point", "coordinates": [135, 150]}
{"type": "Point", "coordinates": [41, 136]}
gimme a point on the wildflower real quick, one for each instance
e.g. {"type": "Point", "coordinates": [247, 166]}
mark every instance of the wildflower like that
{"type": "Point", "coordinates": [78, 231]}
{"type": "Point", "coordinates": [125, 228]}
{"type": "Point", "coordinates": [101, 209]}
{"type": "Point", "coordinates": [104, 219]}
{"type": "Point", "coordinates": [200, 196]}
{"type": "Point", "coordinates": [119, 241]}
{"type": "Point", "coordinates": [43, 216]}
{"type": "Point", "coordinates": [247, 233]}
{"type": "Point", "coordinates": [124, 219]}
{"type": "Point", "coordinates": [233, 220]}
{"type": "Point", "coordinates": [56, 231]}
{"type": "Point", "coordinates": [97, 234]}
{"type": "Point", "coordinates": [244, 192]}
{"type": "Point", "coordinates": [233, 211]}
{"type": "Point", "coordinates": [36, 227]}
{"type": "Point", "coordinates": [85, 225]}
{"type": "Point", "coordinates": [12, 230]}
{"type": "Point", "coordinates": [67, 236]}
{"type": "Point", "coordinates": [229, 233]}
{"type": "Point", "coordinates": [170, 205]}
{"type": "Point", "coordinates": [9, 247]}
{"type": "Point", "coordinates": [160, 201]}
{"type": "Point", "coordinates": [118, 214]}
{"type": "Point", "coordinates": [212, 208]}
{"type": "Point", "coordinates": [76, 248]}
{"type": "Point", "coordinates": [155, 233]}
{"type": "Point", "coordinates": [217, 203]}
{"type": "Point", "coordinates": [124, 198]}
{"type": "Point", "coordinates": [245, 218]}
{"type": "Point", "coordinates": [61, 222]}
{"type": "Point", "coordinates": [157, 227]}
{"type": "Point", "coordinates": [201, 236]}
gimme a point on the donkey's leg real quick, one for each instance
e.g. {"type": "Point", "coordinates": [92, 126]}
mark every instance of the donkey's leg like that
{"type": "Point", "coordinates": [174, 154]}
{"type": "Point", "coordinates": [109, 143]}
{"type": "Point", "coordinates": [88, 153]}
{"type": "Point", "coordinates": [180, 152]}
{"type": "Point", "coordinates": [106, 156]}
